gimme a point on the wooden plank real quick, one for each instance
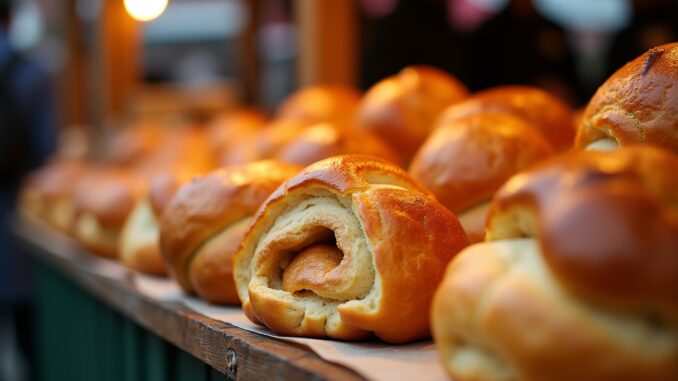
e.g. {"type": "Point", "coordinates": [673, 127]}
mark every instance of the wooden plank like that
{"type": "Point", "coordinates": [257, 357]}
{"type": "Point", "coordinates": [328, 48]}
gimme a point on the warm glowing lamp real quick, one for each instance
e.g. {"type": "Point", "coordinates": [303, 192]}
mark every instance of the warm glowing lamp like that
{"type": "Point", "coordinates": [145, 10]}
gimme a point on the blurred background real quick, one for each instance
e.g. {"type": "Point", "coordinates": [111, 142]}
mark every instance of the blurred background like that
{"type": "Point", "coordinates": [75, 70]}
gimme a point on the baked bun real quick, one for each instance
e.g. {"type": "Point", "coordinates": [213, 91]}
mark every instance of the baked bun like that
{"type": "Point", "coordinates": [103, 200]}
{"type": "Point", "coordinates": [466, 160]}
{"type": "Point", "coordinates": [637, 104]}
{"type": "Point", "coordinates": [321, 103]}
{"type": "Point", "coordinates": [47, 193]}
{"type": "Point", "coordinates": [401, 109]}
{"type": "Point", "coordinates": [205, 221]}
{"type": "Point", "coordinates": [577, 279]}
{"type": "Point", "coordinates": [134, 143]}
{"type": "Point", "coordinates": [548, 114]}
{"type": "Point", "coordinates": [323, 140]}
{"type": "Point", "coordinates": [139, 239]}
{"type": "Point", "coordinates": [233, 135]}
{"type": "Point", "coordinates": [350, 246]}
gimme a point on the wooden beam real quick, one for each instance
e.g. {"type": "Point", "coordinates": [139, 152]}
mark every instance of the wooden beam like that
{"type": "Point", "coordinates": [328, 51]}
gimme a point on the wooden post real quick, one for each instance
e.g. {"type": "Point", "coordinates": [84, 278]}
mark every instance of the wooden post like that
{"type": "Point", "coordinates": [327, 41]}
{"type": "Point", "coordinates": [249, 61]}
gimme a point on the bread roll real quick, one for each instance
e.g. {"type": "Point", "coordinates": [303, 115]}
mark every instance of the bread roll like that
{"type": "Point", "coordinates": [577, 279]}
{"type": "Point", "coordinates": [349, 247]}
{"type": "Point", "coordinates": [401, 109]}
{"type": "Point", "coordinates": [323, 140]}
{"type": "Point", "coordinates": [637, 104]}
{"type": "Point", "coordinates": [205, 221]}
{"type": "Point", "coordinates": [134, 143]}
{"type": "Point", "coordinates": [466, 160]}
{"type": "Point", "coordinates": [550, 116]}
{"type": "Point", "coordinates": [321, 103]}
{"type": "Point", "coordinates": [103, 200]}
{"type": "Point", "coordinates": [233, 135]}
{"type": "Point", "coordinates": [47, 193]}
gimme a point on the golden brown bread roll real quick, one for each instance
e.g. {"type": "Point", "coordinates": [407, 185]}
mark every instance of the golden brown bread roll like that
{"type": "Point", "coordinates": [103, 200]}
{"type": "Point", "coordinates": [401, 109]}
{"type": "Point", "coordinates": [350, 246]}
{"type": "Point", "coordinates": [233, 135]}
{"type": "Point", "coordinates": [637, 104]}
{"type": "Point", "coordinates": [466, 160]}
{"type": "Point", "coordinates": [323, 140]}
{"type": "Point", "coordinates": [47, 193]}
{"type": "Point", "coordinates": [205, 221]}
{"type": "Point", "coordinates": [547, 113]}
{"type": "Point", "coordinates": [135, 142]}
{"type": "Point", "coordinates": [139, 238]}
{"type": "Point", "coordinates": [577, 279]}
{"type": "Point", "coordinates": [184, 154]}
{"type": "Point", "coordinates": [321, 103]}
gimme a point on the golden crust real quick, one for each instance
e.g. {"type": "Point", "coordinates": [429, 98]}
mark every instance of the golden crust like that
{"type": "Point", "coordinates": [323, 140]}
{"type": "Point", "coordinates": [542, 110]}
{"type": "Point", "coordinates": [637, 104]}
{"type": "Point", "coordinates": [233, 135]}
{"type": "Point", "coordinates": [623, 208]}
{"type": "Point", "coordinates": [466, 160]}
{"type": "Point", "coordinates": [211, 204]}
{"type": "Point", "coordinates": [321, 103]}
{"type": "Point", "coordinates": [394, 237]}
{"type": "Point", "coordinates": [401, 109]}
{"type": "Point", "coordinates": [579, 266]}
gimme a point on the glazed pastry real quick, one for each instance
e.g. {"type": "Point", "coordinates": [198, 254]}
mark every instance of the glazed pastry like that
{"type": "Point", "coordinates": [637, 104]}
{"type": "Point", "coordinates": [204, 222]}
{"type": "Point", "coordinates": [550, 116]}
{"type": "Point", "coordinates": [349, 247]}
{"type": "Point", "coordinates": [402, 109]}
{"type": "Point", "coordinates": [576, 279]}
{"type": "Point", "coordinates": [469, 158]}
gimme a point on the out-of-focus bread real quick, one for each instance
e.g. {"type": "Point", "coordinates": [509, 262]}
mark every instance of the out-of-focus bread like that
{"type": "Point", "coordinates": [552, 117]}
{"type": "Point", "coordinates": [466, 160]}
{"type": "Point", "coordinates": [233, 135]}
{"type": "Point", "coordinates": [577, 279]}
{"type": "Point", "coordinates": [203, 224]}
{"type": "Point", "coordinates": [637, 104]}
{"type": "Point", "coordinates": [323, 140]}
{"type": "Point", "coordinates": [401, 109]}
{"type": "Point", "coordinates": [103, 200]}
{"type": "Point", "coordinates": [321, 103]}
{"type": "Point", "coordinates": [349, 247]}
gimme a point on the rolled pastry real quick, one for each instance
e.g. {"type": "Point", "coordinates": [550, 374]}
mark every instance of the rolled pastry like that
{"type": "Point", "coordinates": [577, 277]}
{"type": "Point", "coordinates": [349, 247]}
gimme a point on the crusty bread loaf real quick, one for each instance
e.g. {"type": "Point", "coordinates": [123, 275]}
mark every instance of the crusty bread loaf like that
{"type": "Point", "coordinates": [637, 104]}
{"type": "Point", "coordinates": [205, 221]}
{"type": "Point", "coordinates": [401, 109]}
{"type": "Point", "coordinates": [549, 115]}
{"type": "Point", "coordinates": [577, 279]}
{"type": "Point", "coordinates": [233, 135]}
{"type": "Point", "coordinates": [349, 247]}
{"type": "Point", "coordinates": [466, 160]}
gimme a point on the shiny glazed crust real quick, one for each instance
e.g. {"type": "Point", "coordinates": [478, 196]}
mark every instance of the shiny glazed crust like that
{"type": "Point", "coordinates": [579, 268]}
{"type": "Point", "coordinates": [542, 110]}
{"type": "Point", "coordinates": [402, 109]}
{"type": "Point", "coordinates": [199, 229]}
{"type": "Point", "coordinates": [395, 239]}
{"type": "Point", "coordinates": [466, 160]}
{"type": "Point", "coordinates": [321, 103]}
{"type": "Point", "coordinates": [637, 104]}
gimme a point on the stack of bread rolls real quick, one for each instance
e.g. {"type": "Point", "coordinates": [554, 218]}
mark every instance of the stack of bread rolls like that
{"type": "Point", "coordinates": [312, 223]}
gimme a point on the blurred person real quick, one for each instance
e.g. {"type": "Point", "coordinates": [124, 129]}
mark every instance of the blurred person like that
{"type": "Point", "coordinates": [27, 136]}
{"type": "Point", "coordinates": [653, 23]}
{"type": "Point", "coordinates": [520, 46]}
